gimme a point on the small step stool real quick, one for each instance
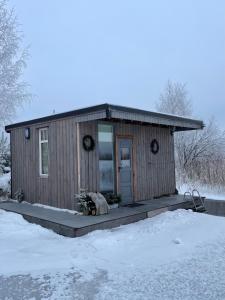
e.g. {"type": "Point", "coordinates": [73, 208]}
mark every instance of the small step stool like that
{"type": "Point", "coordinates": [197, 200]}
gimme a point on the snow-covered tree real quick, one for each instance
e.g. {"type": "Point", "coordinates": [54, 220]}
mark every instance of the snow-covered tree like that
{"type": "Point", "coordinates": [174, 100]}
{"type": "Point", "coordinates": [200, 154]}
{"type": "Point", "coordinates": [13, 90]}
{"type": "Point", "coordinates": [4, 153]}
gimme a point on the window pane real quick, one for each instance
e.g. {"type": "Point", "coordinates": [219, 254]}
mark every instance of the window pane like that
{"type": "Point", "coordinates": [106, 176]}
{"type": "Point", "coordinates": [105, 151]}
{"type": "Point", "coordinates": [105, 133]}
{"type": "Point", "coordinates": [106, 159]}
{"type": "Point", "coordinates": [125, 157]}
{"type": "Point", "coordinates": [44, 134]}
{"type": "Point", "coordinates": [125, 153]}
{"type": "Point", "coordinates": [44, 158]}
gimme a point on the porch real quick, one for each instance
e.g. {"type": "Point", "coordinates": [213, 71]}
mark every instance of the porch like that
{"type": "Point", "coordinates": [70, 225]}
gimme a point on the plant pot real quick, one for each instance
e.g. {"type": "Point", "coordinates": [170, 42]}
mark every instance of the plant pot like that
{"type": "Point", "coordinates": [85, 212]}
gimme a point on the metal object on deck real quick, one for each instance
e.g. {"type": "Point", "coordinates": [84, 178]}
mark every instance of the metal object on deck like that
{"type": "Point", "coordinates": [197, 199]}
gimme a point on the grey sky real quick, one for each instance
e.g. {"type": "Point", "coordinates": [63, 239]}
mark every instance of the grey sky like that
{"type": "Point", "coordinates": [123, 52]}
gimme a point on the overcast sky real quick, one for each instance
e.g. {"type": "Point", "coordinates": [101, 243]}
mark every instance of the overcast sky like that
{"type": "Point", "coordinates": [123, 52]}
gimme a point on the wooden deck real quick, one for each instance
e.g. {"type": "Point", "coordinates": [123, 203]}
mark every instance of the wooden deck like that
{"type": "Point", "coordinates": [70, 225]}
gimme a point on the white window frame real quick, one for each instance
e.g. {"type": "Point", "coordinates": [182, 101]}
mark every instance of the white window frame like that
{"type": "Point", "coordinates": [40, 152]}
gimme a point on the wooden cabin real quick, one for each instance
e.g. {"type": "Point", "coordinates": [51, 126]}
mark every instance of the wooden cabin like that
{"type": "Point", "coordinates": [106, 148]}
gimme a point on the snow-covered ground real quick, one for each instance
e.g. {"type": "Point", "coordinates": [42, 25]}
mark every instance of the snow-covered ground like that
{"type": "Point", "coordinates": [176, 255]}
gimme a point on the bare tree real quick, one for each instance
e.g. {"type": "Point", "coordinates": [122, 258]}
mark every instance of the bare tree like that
{"type": "Point", "coordinates": [174, 100]}
{"type": "Point", "coordinates": [200, 146]}
{"type": "Point", "coordinates": [13, 90]}
{"type": "Point", "coordinates": [199, 154]}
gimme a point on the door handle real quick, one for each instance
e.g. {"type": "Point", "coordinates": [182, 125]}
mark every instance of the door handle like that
{"type": "Point", "coordinates": [119, 168]}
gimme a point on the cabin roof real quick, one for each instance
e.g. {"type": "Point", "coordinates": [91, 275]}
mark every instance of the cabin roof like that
{"type": "Point", "coordinates": [115, 112]}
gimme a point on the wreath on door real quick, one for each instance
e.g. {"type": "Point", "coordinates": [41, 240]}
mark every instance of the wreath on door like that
{"type": "Point", "coordinates": [88, 143]}
{"type": "Point", "coordinates": [154, 146]}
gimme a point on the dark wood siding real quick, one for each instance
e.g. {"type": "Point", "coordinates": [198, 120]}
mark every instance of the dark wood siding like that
{"type": "Point", "coordinates": [59, 187]}
{"type": "Point", "coordinates": [154, 174]}
{"type": "Point", "coordinates": [89, 160]}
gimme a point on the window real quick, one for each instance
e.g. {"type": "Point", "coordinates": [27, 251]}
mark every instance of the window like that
{"type": "Point", "coordinates": [106, 158]}
{"type": "Point", "coordinates": [43, 151]}
{"type": "Point", "coordinates": [125, 157]}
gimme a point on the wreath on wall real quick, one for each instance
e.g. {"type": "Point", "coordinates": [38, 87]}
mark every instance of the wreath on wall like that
{"type": "Point", "coordinates": [154, 146]}
{"type": "Point", "coordinates": [88, 143]}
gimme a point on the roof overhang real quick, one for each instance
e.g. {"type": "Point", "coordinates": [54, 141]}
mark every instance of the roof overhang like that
{"type": "Point", "coordinates": [116, 112]}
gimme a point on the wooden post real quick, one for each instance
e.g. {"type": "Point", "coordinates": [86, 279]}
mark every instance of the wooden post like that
{"type": "Point", "coordinates": [78, 156]}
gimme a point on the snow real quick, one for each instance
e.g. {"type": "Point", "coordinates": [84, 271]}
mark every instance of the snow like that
{"type": "Point", "coordinates": [175, 255]}
{"type": "Point", "coordinates": [73, 212]}
{"type": "Point", "coordinates": [4, 182]}
{"type": "Point", "coordinates": [7, 169]}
